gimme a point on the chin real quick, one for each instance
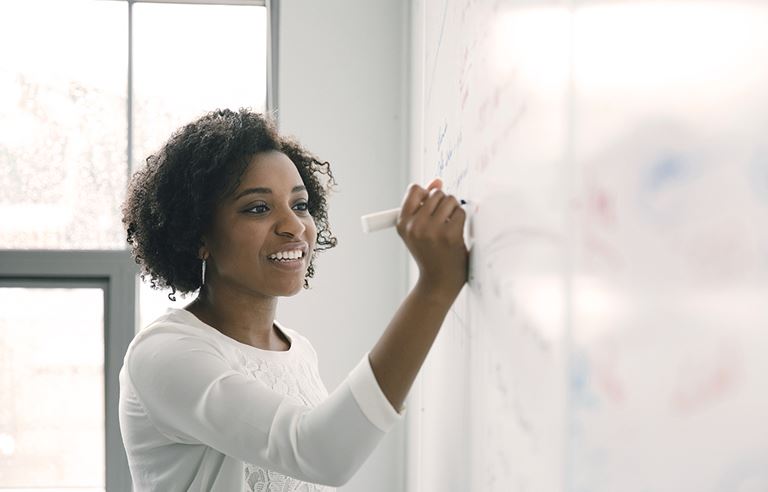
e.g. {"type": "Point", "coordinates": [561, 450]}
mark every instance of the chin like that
{"type": "Point", "coordinates": [290, 291]}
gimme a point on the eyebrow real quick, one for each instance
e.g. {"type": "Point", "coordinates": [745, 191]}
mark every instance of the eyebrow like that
{"type": "Point", "coordinates": [250, 191]}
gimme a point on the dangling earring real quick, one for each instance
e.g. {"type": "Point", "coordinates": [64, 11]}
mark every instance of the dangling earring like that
{"type": "Point", "coordinates": [202, 279]}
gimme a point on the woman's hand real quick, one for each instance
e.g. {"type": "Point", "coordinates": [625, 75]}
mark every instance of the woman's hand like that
{"type": "Point", "coordinates": [431, 225]}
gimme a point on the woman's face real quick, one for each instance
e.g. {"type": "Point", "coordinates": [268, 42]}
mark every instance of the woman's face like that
{"type": "Point", "coordinates": [267, 214]}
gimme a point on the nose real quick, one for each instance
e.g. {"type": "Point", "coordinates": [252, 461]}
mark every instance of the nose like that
{"type": "Point", "coordinates": [288, 223]}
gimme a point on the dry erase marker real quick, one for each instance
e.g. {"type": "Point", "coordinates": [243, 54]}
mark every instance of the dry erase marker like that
{"type": "Point", "coordinates": [383, 219]}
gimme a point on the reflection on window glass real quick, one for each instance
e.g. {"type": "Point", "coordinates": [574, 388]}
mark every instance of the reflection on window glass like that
{"type": "Point", "coordinates": [190, 59]}
{"type": "Point", "coordinates": [52, 389]}
{"type": "Point", "coordinates": [63, 124]}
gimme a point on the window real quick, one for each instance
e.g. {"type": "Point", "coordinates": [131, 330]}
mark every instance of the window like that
{"type": "Point", "coordinates": [88, 89]}
{"type": "Point", "coordinates": [63, 125]}
{"type": "Point", "coordinates": [52, 385]}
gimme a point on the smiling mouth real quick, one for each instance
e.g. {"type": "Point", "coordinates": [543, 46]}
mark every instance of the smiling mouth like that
{"type": "Point", "coordinates": [289, 264]}
{"type": "Point", "coordinates": [288, 260]}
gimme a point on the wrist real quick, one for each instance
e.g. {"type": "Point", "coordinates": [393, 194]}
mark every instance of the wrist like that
{"type": "Point", "coordinates": [436, 292]}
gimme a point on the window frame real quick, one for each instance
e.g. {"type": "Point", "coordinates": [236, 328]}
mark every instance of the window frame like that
{"type": "Point", "coordinates": [117, 273]}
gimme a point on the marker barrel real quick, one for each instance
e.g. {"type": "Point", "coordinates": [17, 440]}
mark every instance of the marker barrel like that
{"type": "Point", "coordinates": [383, 220]}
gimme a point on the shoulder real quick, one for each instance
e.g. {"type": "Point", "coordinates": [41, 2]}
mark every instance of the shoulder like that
{"type": "Point", "coordinates": [171, 335]}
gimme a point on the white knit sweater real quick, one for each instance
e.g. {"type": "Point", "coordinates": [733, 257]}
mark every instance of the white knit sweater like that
{"type": "Point", "coordinates": [200, 411]}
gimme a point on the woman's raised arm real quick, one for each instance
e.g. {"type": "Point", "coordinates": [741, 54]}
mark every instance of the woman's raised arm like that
{"type": "Point", "coordinates": [431, 225]}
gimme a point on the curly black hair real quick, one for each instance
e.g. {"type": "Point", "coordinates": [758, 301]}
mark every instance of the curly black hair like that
{"type": "Point", "coordinates": [171, 200]}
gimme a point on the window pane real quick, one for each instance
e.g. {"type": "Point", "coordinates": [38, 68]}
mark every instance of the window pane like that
{"type": "Point", "coordinates": [52, 389]}
{"type": "Point", "coordinates": [190, 59]}
{"type": "Point", "coordinates": [63, 129]}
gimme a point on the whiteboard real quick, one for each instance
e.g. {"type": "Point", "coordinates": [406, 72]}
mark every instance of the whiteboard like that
{"type": "Point", "coordinates": [614, 332]}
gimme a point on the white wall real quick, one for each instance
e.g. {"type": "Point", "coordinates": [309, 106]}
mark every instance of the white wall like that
{"type": "Point", "coordinates": [343, 79]}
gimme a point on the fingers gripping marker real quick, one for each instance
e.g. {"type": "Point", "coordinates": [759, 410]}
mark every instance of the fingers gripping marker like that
{"type": "Point", "coordinates": [384, 219]}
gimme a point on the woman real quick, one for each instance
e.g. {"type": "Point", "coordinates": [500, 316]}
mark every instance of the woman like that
{"type": "Point", "coordinates": [219, 396]}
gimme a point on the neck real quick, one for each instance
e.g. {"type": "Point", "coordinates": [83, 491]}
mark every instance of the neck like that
{"type": "Point", "coordinates": [240, 316]}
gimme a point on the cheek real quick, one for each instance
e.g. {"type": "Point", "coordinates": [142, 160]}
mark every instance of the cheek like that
{"type": "Point", "coordinates": [241, 246]}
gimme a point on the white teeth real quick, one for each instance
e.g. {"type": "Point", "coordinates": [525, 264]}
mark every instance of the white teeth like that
{"type": "Point", "coordinates": [286, 255]}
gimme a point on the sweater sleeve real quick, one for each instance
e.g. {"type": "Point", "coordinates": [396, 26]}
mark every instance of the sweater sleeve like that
{"type": "Point", "coordinates": [192, 395]}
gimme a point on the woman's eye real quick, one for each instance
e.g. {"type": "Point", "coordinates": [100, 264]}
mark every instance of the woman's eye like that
{"type": "Point", "coordinates": [258, 209]}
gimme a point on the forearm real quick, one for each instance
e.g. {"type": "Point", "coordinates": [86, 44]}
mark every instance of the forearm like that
{"type": "Point", "coordinates": [400, 352]}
